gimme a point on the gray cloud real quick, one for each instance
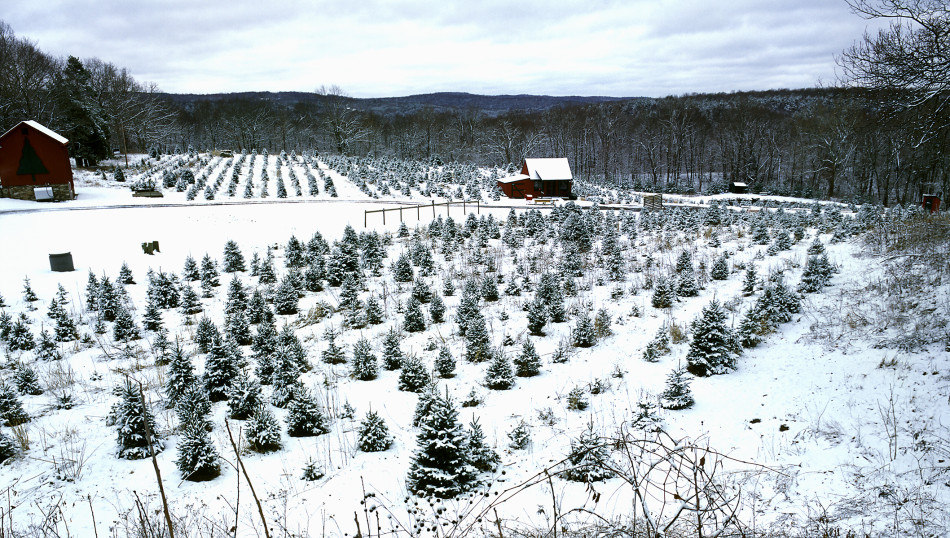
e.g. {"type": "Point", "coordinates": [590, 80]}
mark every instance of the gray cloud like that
{"type": "Point", "coordinates": [383, 48]}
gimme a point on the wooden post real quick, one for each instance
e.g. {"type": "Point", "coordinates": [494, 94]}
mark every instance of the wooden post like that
{"type": "Point", "coordinates": [400, 213]}
{"type": "Point", "coordinates": [433, 209]}
{"type": "Point", "coordinates": [478, 206]}
{"type": "Point", "coordinates": [418, 212]}
{"type": "Point", "coordinates": [384, 217]}
{"type": "Point", "coordinates": [365, 212]}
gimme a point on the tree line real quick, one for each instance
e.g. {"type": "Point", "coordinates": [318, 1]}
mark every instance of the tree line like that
{"type": "Point", "coordinates": [877, 138]}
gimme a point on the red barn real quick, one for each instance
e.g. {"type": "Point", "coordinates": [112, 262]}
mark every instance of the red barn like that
{"type": "Point", "coordinates": [540, 177]}
{"type": "Point", "coordinates": [32, 156]}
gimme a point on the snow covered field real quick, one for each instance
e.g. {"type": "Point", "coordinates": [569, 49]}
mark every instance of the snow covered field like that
{"type": "Point", "coordinates": [818, 425]}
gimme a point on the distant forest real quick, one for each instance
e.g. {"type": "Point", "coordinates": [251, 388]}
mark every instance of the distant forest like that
{"type": "Point", "coordinates": [844, 143]}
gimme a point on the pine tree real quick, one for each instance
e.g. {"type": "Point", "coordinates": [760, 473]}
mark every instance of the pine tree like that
{"type": "Point", "coordinates": [392, 354]}
{"type": "Point", "coordinates": [133, 422]}
{"type": "Point", "coordinates": [197, 456]}
{"type": "Point", "coordinates": [190, 302]}
{"type": "Point", "coordinates": [489, 288]}
{"type": "Point", "coordinates": [220, 370]}
{"type": "Point", "coordinates": [285, 299]}
{"type": "Point", "coordinates": [481, 456]}
{"type": "Point", "coordinates": [305, 418]}
{"type": "Point", "coordinates": [583, 334]}
{"type": "Point", "coordinates": [179, 376]}
{"type": "Point", "coordinates": [194, 408]}
{"type": "Point", "coordinates": [537, 316]}
{"type": "Point", "coordinates": [373, 312]}
{"type": "Point", "coordinates": [333, 354]}
{"type": "Point", "coordinates": [26, 380]}
{"type": "Point", "coordinates": [46, 347]}
{"type": "Point", "coordinates": [414, 320]}
{"type": "Point", "coordinates": [663, 294]}
{"type": "Point", "coordinates": [817, 273]}
{"type": "Point", "coordinates": [244, 396]}
{"type": "Point", "coordinates": [190, 272]}
{"type": "Point", "coordinates": [437, 309]}
{"type": "Point", "coordinates": [677, 394]}
{"type": "Point", "coordinates": [441, 466]}
{"type": "Point", "coordinates": [424, 404]}
{"type": "Point", "coordinates": [92, 292]}
{"type": "Point", "coordinates": [520, 436]}
{"type": "Point", "coordinates": [468, 306]}
{"type": "Point", "coordinates": [414, 376]}
{"type": "Point", "coordinates": [295, 253]}
{"type": "Point", "coordinates": [374, 434]}
{"type": "Point", "coordinates": [750, 281]}
{"type": "Point", "coordinates": [8, 447]}
{"type": "Point", "coordinates": [257, 309]}
{"type": "Point", "coordinates": [659, 346]}
{"type": "Point", "coordinates": [477, 342]}
{"type": "Point", "coordinates": [152, 320]}
{"type": "Point", "coordinates": [209, 272]}
{"type": "Point", "coordinates": [364, 365]}
{"type": "Point", "coordinates": [124, 328]}
{"type": "Point", "coordinates": [21, 338]}
{"type": "Point", "coordinates": [528, 364]}
{"type": "Point", "coordinates": [233, 259]}
{"type": "Point", "coordinates": [262, 431]}
{"type": "Point", "coordinates": [238, 329]}
{"type": "Point", "coordinates": [684, 264]}
{"type": "Point", "coordinates": [602, 324]}
{"type": "Point", "coordinates": [499, 374]}
{"type": "Point", "coordinates": [720, 269]}
{"type": "Point", "coordinates": [589, 459]}
{"type": "Point", "coordinates": [11, 409]}
{"type": "Point", "coordinates": [28, 294]}
{"type": "Point", "coordinates": [402, 269]}
{"type": "Point", "coordinates": [445, 363]}
{"type": "Point", "coordinates": [714, 346]}
{"type": "Point", "coordinates": [107, 299]}
{"type": "Point", "coordinates": [205, 333]}
{"type": "Point", "coordinates": [125, 275]}
{"type": "Point", "coordinates": [686, 285]}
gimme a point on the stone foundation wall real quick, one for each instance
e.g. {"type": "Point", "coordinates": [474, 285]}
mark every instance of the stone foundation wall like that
{"type": "Point", "coordinates": [61, 191]}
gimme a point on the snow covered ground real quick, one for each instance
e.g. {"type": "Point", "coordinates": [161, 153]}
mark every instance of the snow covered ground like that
{"type": "Point", "coordinates": [816, 421]}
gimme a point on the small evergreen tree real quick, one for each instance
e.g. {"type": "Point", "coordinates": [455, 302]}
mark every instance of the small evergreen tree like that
{"type": "Point", "coordinates": [374, 434]}
{"type": "Point", "coordinates": [209, 272]}
{"type": "Point", "coordinates": [11, 409]}
{"type": "Point", "coordinates": [262, 431]}
{"type": "Point", "coordinates": [46, 348]}
{"type": "Point", "coordinates": [205, 333]}
{"type": "Point", "coordinates": [220, 370]}
{"type": "Point", "coordinates": [537, 317]}
{"type": "Point", "coordinates": [686, 286]}
{"type": "Point", "coordinates": [402, 269]}
{"type": "Point", "coordinates": [720, 269]}
{"type": "Point", "coordinates": [414, 376]}
{"type": "Point", "coordinates": [233, 259]}
{"type": "Point", "coordinates": [374, 311]}
{"type": "Point", "coordinates": [197, 456]}
{"type": "Point", "coordinates": [392, 354]}
{"type": "Point", "coordinates": [477, 342]}
{"type": "Point", "coordinates": [414, 320]}
{"type": "Point", "coordinates": [28, 294]}
{"type": "Point", "coordinates": [124, 328]}
{"type": "Point", "coordinates": [519, 438]}
{"type": "Point", "coordinates": [285, 299]}
{"type": "Point", "coordinates": [364, 365]}
{"type": "Point", "coordinates": [663, 294]}
{"type": "Point", "coordinates": [193, 408]}
{"type": "Point", "coordinates": [133, 421]}
{"type": "Point", "coordinates": [441, 466]}
{"type": "Point", "coordinates": [190, 302]}
{"type": "Point", "coordinates": [26, 380]}
{"type": "Point", "coordinates": [481, 456]}
{"type": "Point", "coordinates": [125, 275]}
{"type": "Point", "coordinates": [8, 447]}
{"type": "Point", "coordinates": [190, 272]}
{"type": "Point", "coordinates": [333, 354]}
{"type": "Point", "coordinates": [589, 459]}
{"type": "Point", "coordinates": [437, 309]}
{"type": "Point", "coordinates": [152, 320]}
{"type": "Point", "coordinates": [750, 281]}
{"type": "Point", "coordinates": [584, 334]}
{"type": "Point", "coordinates": [445, 363]}
{"type": "Point", "coordinates": [179, 376]}
{"type": "Point", "coordinates": [305, 418]}
{"type": "Point", "coordinates": [244, 396]}
{"type": "Point", "coordinates": [499, 374]}
{"type": "Point", "coordinates": [528, 364]}
{"type": "Point", "coordinates": [714, 346]}
{"type": "Point", "coordinates": [677, 394]}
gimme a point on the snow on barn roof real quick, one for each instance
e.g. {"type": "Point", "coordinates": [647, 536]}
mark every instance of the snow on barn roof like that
{"type": "Point", "coordinates": [41, 128]}
{"type": "Point", "coordinates": [512, 179]}
{"type": "Point", "coordinates": [549, 169]}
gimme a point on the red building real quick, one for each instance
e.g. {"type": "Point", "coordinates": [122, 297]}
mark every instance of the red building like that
{"type": "Point", "coordinates": [540, 177]}
{"type": "Point", "coordinates": [33, 157]}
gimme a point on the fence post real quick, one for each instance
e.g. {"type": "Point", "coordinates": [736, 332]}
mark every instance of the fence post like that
{"type": "Point", "coordinates": [464, 211]}
{"type": "Point", "coordinates": [384, 217]}
{"type": "Point", "coordinates": [418, 212]}
{"type": "Point", "coordinates": [365, 212]}
{"type": "Point", "coordinates": [433, 209]}
{"type": "Point", "coordinates": [400, 213]}
{"type": "Point", "coordinates": [478, 206]}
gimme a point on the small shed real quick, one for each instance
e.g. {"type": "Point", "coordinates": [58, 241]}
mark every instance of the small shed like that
{"type": "Point", "coordinates": [551, 177]}
{"type": "Point", "coordinates": [931, 202]}
{"type": "Point", "coordinates": [34, 159]}
{"type": "Point", "coordinates": [518, 186]}
{"type": "Point", "coordinates": [653, 202]}
{"type": "Point", "coordinates": [737, 187]}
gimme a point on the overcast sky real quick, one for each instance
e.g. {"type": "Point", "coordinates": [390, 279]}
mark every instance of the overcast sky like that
{"type": "Point", "coordinates": [382, 48]}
